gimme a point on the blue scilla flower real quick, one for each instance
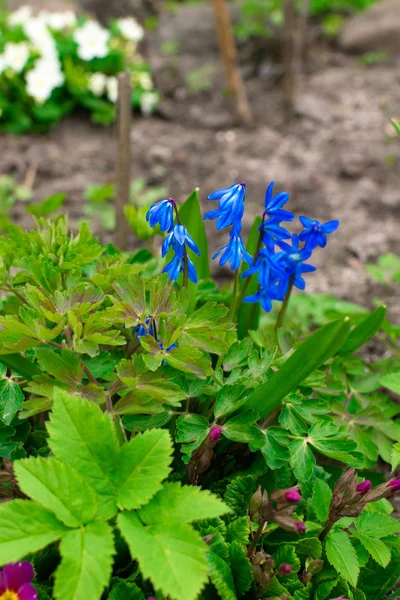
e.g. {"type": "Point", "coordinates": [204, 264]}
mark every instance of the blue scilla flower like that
{"type": "Point", "coordinates": [141, 330]}
{"type": "Point", "coordinates": [177, 264]}
{"type": "Point", "coordinates": [272, 231]}
{"type": "Point", "coordinates": [295, 258]}
{"type": "Point", "coordinates": [264, 296]}
{"type": "Point", "coordinates": [162, 214]}
{"type": "Point", "coordinates": [234, 251]}
{"type": "Point", "coordinates": [231, 205]}
{"type": "Point", "coordinates": [178, 237]}
{"type": "Point", "coordinates": [273, 205]}
{"type": "Point", "coordinates": [268, 266]}
{"type": "Point", "coordinates": [315, 233]}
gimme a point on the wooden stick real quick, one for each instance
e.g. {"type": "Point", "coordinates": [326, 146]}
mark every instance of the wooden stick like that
{"type": "Point", "coordinates": [230, 59]}
{"type": "Point", "coordinates": [123, 183]}
{"type": "Point", "coordinates": [303, 29]}
{"type": "Point", "coordinates": [289, 51]}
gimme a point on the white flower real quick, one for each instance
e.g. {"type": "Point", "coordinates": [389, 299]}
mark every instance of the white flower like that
{"type": "Point", "coordinates": [20, 16]}
{"type": "Point", "coordinates": [15, 56]}
{"type": "Point", "coordinates": [40, 36]}
{"type": "Point", "coordinates": [148, 103]}
{"type": "Point", "coordinates": [97, 84]}
{"type": "Point", "coordinates": [42, 80]}
{"type": "Point", "coordinates": [59, 20]}
{"type": "Point", "coordinates": [131, 29]}
{"type": "Point", "coordinates": [92, 41]}
{"type": "Point", "coordinates": [112, 89]}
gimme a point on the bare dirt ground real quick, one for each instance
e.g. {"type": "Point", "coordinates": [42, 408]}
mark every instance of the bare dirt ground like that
{"type": "Point", "coordinates": [338, 159]}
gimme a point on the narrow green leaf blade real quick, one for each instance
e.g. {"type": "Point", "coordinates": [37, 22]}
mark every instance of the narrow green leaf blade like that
{"type": "Point", "coordinates": [190, 215]}
{"type": "Point", "coordinates": [342, 556]}
{"type": "Point", "coordinates": [86, 563]}
{"type": "Point", "coordinates": [57, 487]}
{"type": "Point", "coordinates": [365, 330]}
{"type": "Point", "coordinates": [249, 314]}
{"type": "Point", "coordinates": [143, 464]}
{"type": "Point", "coordinates": [311, 354]}
{"type": "Point", "coordinates": [173, 556]}
{"type": "Point", "coordinates": [26, 527]}
{"type": "Point", "coordinates": [84, 437]}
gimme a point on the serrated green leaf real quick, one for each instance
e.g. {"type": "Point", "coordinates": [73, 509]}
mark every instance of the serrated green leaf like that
{"type": "Point", "coordinates": [376, 548]}
{"type": "Point", "coordinates": [364, 330]}
{"type": "Point", "coordinates": [57, 487]}
{"type": "Point", "coordinates": [342, 556]}
{"type": "Point", "coordinates": [25, 528]}
{"type": "Point", "coordinates": [238, 531]}
{"type": "Point", "coordinates": [377, 525]}
{"type": "Point", "coordinates": [221, 576]}
{"type": "Point", "coordinates": [142, 466]}
{"type": "Point", "coordinates": [376, 581]}
{"type": "Point", "coordinates": [287, 554]}
{"type": "Point", "coordinates": [322, 497]}
{"type": "Point", "coordinates": [11, 399]}
{"type": "Point", "coordinates": [239, 492]}
{"type": "Point", "coordinates": [391, 381]}
{"type": "Point", "coordinates": [309, 547]}
{"type": "Point", "coordinates": [125, 590]}
{"type": "Point", "coordinates": [302, 460]}
{"type": "Point", "coordinates": [86, 562]}
{"type": "Point", "coordinates": [65, 367]}
{"type": "Point", "coordinates": [241, 568]}
{"type": "Point", "coordinates": [84, 437]}
{"type": "Point", "coordinates": [178, 552]}
{"type": "Point", "coordinates": [309, 355]}
{"type": "Point", "coordinates": [177, 504]}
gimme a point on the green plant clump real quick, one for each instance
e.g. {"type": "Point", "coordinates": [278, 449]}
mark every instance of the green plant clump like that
{"type": "Point", "coordinates": [161, 437]}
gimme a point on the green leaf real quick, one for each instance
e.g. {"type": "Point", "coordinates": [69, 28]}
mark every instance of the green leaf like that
{"type": "Point", "coordinates": [322, 497]}
{"type": "Point", "coordinates": [377, 525]}
{"type": "Point", "coordinates": [177, 504]}
{"type": "Point", "coordinates": [309, 355]}
{"type": "Point", "coordinates": [238, 531]}
{"type": "Point", "coordinates": [191, 427]}
{"type": "Point", "coordinates": [190, 215]}
{"type": "Point", "coordinates": [376, 548]}
{"type": "Point", "coordinates": [242, 428]}
{"type": "Point", "coordinates": [124, 590]}
{"type": "Point", "coordinates": [391, 381]}
{"type": "Point", "coordinates": [82, 436]}
{"type": "Point", "coordinates": [189, 360]}
{"type": "Point", "coordinates": [173, 557]}
{"type": "Point", "coordinates": [142, 466]}
{"type": "Point", "coordinates": [342, 556]}
{"type": "Point", "coordinates": [222, 577]}
{"type": "Point", "coordinates": [11, 399]}
{"type": "Point", "coordinates": [302, 459]}
{"type": "Point", "coordinates": [395, 456]}
{"type": "Point", "coordinates": [287, 554]}
{"type": "Point", "coordinates": [21, 365]}
{"type": "Point", "coordinates": [239, 492]}
{"type": "Point", "coordinates": [47, 206]}
{"type": "Point", "coordinates": [376, 581]}
{"type": "Point", "coordinates": [229, 399]}
{"type": "Point", "coordinates": [206, 329]}
{"type": "Point", "coordinates": [365, 330]}
{"type": "Point", "coordinates": [249, 314]}
{"type": "Point", "coordinates": [26, 528]}
{"type": "Point", "coordinates": [86, 563]}
{"type": "Point", "coordinates": [57, 487]}
{"type": "Point", "coordinates": [241, 568]}
{"type": "Point", "coordinates": [396, 125]}
{"type": "Point", "coordinates": [65, 367]}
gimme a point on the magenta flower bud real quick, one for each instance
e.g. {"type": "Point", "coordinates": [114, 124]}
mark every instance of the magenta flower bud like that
{"type": "Point", "coordinates": [292, 496]}
{"type": "Point", "coordinates": [394, 484]}
{"type": "Point", "coordinates": [300, 526]}
{"type": "Point", "coordinates": [285, 569]}
{"type": "Point", "coordinates": [215, 433]}
{"type": "Point", "coordinates": [364, 487]}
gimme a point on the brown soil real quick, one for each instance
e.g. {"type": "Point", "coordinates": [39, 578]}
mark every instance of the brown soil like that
{"type": "Point", "coordinates": [338, 159]}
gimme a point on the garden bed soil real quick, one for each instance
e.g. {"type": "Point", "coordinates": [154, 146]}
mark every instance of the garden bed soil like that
{"type": "Point", "coordinates": [339, 158]}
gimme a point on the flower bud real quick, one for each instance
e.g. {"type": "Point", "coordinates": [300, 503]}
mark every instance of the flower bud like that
{"type": "Point", "coordinates": [284, 569]}
{"type": "Point", "coordinates": [300, 526]}
{"type": "Point", "coordinates": [346, 483]}
{"type": "Point", "coordinates": [364, 487]}
{"type": "Point", "coordinates": [215, 433]}
{"type": "Point", "coordinates": [207, 539]}
{"type": "Point", "coordinates": [315, 566]}
{"type": "Point", "coordinates": [293, 496]}
{"type": "Point", "coordinates": [259, 558]}
{"type": "Point", "coordinates": [394, 485]}
{"type": "Point", "coordinates": [255, 502]}
{"type": "Point", "coordinates": [353, 511]}
{"type": "Point", "coordinates": [5, 477]}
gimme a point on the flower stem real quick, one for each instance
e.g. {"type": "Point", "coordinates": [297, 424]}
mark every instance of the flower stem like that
{"type": "Point", "coordinates": [282, 312]}
{"type": "Point", "coordinates": [185, 270]}
{"type": "Point", "coordinates": [232, 311]}
{"type": "Point", "coordinates": [256, 538]}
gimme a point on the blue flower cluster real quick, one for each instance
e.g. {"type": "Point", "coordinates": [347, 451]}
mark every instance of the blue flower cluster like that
{"type": "Point", "coordinates": [178, 238]}
{"type": "Point", "coordinates": [229, 214]}
{"type": "Point", "coordinates": [277, 264]}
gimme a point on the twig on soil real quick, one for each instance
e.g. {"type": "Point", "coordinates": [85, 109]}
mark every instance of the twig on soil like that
{"type": "Point", "coordinates": [123, 159]}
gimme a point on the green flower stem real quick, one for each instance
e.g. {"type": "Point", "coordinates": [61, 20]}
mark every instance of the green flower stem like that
{"type": "Point", "coordinates": [232, 311]}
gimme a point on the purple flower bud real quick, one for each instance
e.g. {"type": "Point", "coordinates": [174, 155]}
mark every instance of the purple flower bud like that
{"type": "Point", "coordinates": [215, 433]}
{"type": "Point", "coordinates": [285, 569]}
{"type": "Point", "coordinates": [300, 526]}
{"type": "Point", "coordinates": [394, 485]}
{"type": "Point", "coordinates": [151, 598]}
{"type": "Point", "coordinates": [364, 487]}
{"type": "Point", "coordinates": [292, 496]}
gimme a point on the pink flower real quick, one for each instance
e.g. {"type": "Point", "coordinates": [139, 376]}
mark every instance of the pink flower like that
{"type": "Point", "coordinates": [292, 496]}
{"type": "Point", "coordinates": [394, 484]}
{"type": "Point", "coordinates": [215, 433]}
{"type": "Point", "coordinates": [285, 569]}
{"type": "Point", "coordinates": [15, 582]}
{"type": "Point", "coordinates": [364, 487]}
{"type": "Point", "coordinates": [300, 526]}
